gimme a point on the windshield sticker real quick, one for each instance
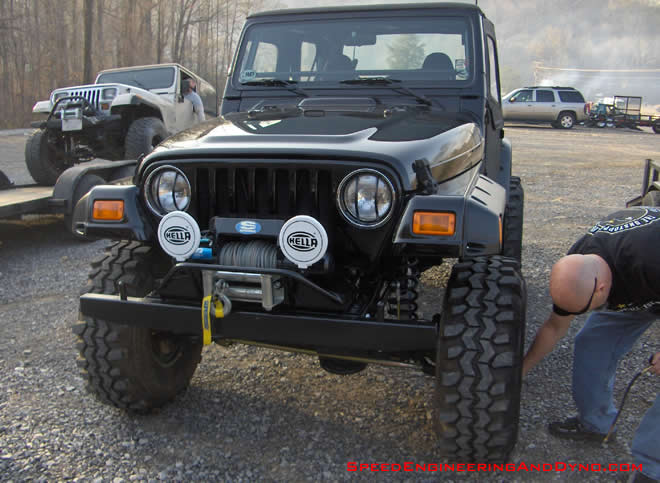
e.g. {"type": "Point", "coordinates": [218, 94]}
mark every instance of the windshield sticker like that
{"type": "Point", "coordinates": [271, 122]}
{"type": "Point", "coordinates": [248, 75]}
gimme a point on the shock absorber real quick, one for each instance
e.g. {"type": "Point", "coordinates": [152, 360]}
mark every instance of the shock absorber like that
{"type": "Point", "coordinates": [402, 291]}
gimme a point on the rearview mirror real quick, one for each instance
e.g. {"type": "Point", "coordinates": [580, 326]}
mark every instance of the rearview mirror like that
{"type": "Point", "coordinates": [356, 39]}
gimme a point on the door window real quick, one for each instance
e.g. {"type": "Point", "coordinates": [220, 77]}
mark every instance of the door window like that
{"type": "Point", "coordinates": [492, 71]}
{"type": "Point", "coordinates": [545, 96]}
{"type": "Point", "coordinates": [522, 96]}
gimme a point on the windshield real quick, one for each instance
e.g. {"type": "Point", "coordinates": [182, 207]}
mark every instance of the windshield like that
{"type": "Point", "coordinates": [407, 49]}
{"type": "Point", "coordinates": [158, 78]}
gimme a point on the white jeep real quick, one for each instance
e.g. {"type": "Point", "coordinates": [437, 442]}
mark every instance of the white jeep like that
{"type": "Point", "coordinates": [124, 114]}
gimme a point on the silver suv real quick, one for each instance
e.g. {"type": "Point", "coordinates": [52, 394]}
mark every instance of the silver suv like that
{"type": "Point", "coordinates": [562, 107]}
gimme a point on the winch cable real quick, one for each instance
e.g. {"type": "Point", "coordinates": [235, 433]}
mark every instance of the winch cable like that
{"type": "Point", "coordinates": [625, 395]}
{"type": "Point", "coordinates": [257, 253]}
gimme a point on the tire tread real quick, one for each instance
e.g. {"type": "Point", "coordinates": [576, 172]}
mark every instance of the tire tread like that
{"type": "Point", "coordinates": [103, 357]}
{"type": "Point", "coordinates": [479, 360]}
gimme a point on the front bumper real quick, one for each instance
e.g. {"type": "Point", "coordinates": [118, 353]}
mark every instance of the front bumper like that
{"type": "Point", "coordinates": [323, 334]}
{"type": "Point", "coordinates": [88, 122]}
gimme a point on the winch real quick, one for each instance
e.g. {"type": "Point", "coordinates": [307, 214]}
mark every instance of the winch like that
{"type": "Point", "coordinates": [225, 286]}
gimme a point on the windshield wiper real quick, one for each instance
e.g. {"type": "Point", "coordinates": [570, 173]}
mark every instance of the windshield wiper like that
{"type": "Point", "coordinates": [393, 83]}
{"type": "Point", "coordinates": [139, 84]}
{"type": "Point", "coordinates": [274, 82]}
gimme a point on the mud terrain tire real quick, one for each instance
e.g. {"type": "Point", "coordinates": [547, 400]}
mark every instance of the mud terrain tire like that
{"type": "Point", "coordinates": [132, 368]}
{"type": "Point", "coordinates": [41, 160]}
{"type": "Point", "coordinates": [479, 360]}
{"type": "Point", "coordinates": [143, 136]}
{"type": "Point", "coordinates": [512, 231]}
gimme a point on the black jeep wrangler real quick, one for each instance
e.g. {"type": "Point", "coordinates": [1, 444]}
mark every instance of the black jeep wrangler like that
{"type": "Point", "coordinates": [358, 147]}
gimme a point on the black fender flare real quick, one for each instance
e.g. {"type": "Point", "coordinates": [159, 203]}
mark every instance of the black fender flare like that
{"type": "Point", "coordinates": [506, 157]}
{"type": "Point", "coordinates": [134, 225]}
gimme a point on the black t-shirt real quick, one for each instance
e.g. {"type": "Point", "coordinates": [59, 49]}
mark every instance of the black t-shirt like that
{"type": "Point", "coordinates": [629, 241]}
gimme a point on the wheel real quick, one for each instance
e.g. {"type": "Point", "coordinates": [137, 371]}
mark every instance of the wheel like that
{"type": "Point", "coordinates": [41, 160]}
{"type": "Point", "coordinates": [601, 124]}
{"type": "Point", "coordinates": [566, 120]}
{"type": "Point", "coordinates": [132, 368]}
{"type": "Point", "coordinates": [479, 360]}
{"type": "Point", "coordinates": [86, 183]}
{"type": "Point", "coordinates": [656, 128]}
{"type": "Point", "coordinates": [652, 198]}
{"type": "Point", "coordinates": [143, 136]}
{"type": "Point", "coordinates": [512, 229]}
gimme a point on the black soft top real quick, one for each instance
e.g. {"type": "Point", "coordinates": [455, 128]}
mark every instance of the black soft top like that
{"type": "Point", "coordinates": [368, 8]}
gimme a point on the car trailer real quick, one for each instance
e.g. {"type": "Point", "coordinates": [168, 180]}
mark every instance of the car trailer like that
{"type": "Point", "coordinates": [625, 111]}
{"type": "Point", "coordinates": [650, 195]}
{"type": "Point", "coordinates": [71, 186]}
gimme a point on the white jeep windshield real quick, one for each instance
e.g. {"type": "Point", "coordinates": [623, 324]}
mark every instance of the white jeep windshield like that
{"type": "Point", "coordinates": [157, 78]}
{"type": "Point", "coordinates": [431, 49]}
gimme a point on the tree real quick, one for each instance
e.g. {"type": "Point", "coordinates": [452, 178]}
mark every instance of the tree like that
{"type": "Point", "coordinates": [406, 52]}
{"type": "Point", "coordinates": [87, 63]}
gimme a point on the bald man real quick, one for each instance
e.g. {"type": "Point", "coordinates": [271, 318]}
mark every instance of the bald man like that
{"type": "Point", "coordinates": [614, 270]}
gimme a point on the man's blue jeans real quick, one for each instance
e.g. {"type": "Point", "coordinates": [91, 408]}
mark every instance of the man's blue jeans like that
{"type": "Point", "coordinates": [605, 338]}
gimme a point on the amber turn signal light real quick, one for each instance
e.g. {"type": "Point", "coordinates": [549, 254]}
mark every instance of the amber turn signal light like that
{"type": "Point", "coordinates": [108, 210]}
{"type": "Point", "coordinates": [434, 223]}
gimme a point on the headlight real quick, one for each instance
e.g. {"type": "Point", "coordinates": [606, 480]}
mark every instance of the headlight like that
{"type": "Point", "coordinates": [59, 95]}
{"type": "Point", "coordinates": [109, 93]}
{"type": "Point", "coordinates": [366, 198]}
{"type": "Point", "coordinates": [167, 189]}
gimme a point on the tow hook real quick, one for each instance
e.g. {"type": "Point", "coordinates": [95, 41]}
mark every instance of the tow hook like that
{"type": "Point", "coordinates": [220, 296]}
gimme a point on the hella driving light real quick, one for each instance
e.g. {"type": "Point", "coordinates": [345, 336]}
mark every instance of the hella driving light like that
{"type": "Point", "coordinates": [167, 189]}
{"type": "Point", "coordinates": [109, 93]}
{"type": "Point", "coordinates": [365, 198]}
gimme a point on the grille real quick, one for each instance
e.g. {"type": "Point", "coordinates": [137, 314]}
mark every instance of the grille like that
{"type": "Point", "coordinates": [92, 95]}
{"type": "Point", "coordinates": [266, 193]}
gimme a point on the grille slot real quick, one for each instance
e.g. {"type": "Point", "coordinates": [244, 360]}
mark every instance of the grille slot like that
{"type": "Point", "coordinates": [263, 192]}
{"type": "Point", "coordinates": [92, 95]}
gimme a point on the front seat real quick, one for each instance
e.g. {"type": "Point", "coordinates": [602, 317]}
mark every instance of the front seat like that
{"type": "Point", "coordinates": [338, 68]}
{"type": "Point", "coordinates": [437, 61]}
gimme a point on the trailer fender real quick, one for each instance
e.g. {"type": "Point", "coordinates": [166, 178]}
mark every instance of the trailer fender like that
{"type": "Point", "coordinates": [64, 192]}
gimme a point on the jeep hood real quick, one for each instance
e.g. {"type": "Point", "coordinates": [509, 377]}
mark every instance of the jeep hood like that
{"type": "Point", "coordinates": [450, 144]}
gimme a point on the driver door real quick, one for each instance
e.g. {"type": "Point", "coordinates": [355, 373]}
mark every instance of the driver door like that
{"type": "Point", "coordinates": [520, 106]}
{"type": "Point", "coordinates": [184, 114]}
{"type": "Point", "coordinates": [183, 108]}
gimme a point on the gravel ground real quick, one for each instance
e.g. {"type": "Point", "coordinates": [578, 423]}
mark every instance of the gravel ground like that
{"type": "Point", "coordinates": [256, 414]}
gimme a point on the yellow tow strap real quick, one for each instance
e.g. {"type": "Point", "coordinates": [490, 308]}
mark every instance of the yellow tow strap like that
{"type": "Point", "coordinates": [207, 302]}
